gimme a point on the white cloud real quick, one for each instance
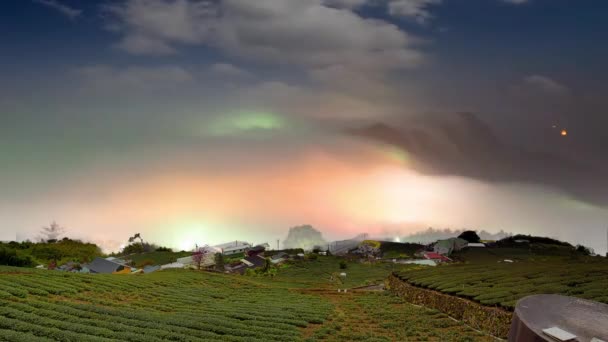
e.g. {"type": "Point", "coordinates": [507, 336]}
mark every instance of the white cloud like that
{"type": "Point", "coordinates": [138, 44]}
{"type": "Point", "coordinates": [68, 11]}
{"type": "Point", "coordinates": [545, 84]}
{"type": "Point", "coordinates": [415, 9]}
{"type": "Point", "coordinates": [155, 26]}
{"type": "Point", "coordinates": [295, 32]}
{"type": "Point", "coordinates": [133, 78]}
{"type": "Point", "coordinates": [225, 69]}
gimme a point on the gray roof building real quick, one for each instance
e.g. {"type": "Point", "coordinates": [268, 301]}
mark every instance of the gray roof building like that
{"type": "Point", "coordinates": [101, 265]}
{"type": "Point", "coordinates": [254, 261]}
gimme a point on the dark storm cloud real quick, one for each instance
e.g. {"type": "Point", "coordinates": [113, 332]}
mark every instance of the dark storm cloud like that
{"type": "Point", "coordinates": [464, 145]}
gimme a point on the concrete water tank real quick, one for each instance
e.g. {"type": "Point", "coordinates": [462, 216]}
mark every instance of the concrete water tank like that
{"type": "Point", "coordinates": [585, 319]}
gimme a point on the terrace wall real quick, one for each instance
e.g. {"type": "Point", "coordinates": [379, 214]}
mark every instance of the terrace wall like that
{"type": "Point", "coordinates": [494, 321]}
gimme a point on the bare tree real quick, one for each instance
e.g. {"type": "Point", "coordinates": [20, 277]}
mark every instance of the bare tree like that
{"type": "Point", "coordinates": [135, 237]}
{"type": "Point", "coordinates": [198, 256]}
{"type": "Point", "coordinates": [52, 232]}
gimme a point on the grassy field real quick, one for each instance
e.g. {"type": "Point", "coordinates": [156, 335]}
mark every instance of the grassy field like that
{"type": "Point", "coordinates": [300, 304]}
{"type": "Point", "coordinates": [324, 272]}
{"type": "Point", "coordinates": [485, 277]}
{"type": "Point", "coordinates": [156, 258]}
{"type": "Point", "coordinates": [380, 316]}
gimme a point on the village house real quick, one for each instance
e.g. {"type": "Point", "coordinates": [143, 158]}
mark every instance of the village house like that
{"type": "Point", "coordinates": [254, 261]}
{"type": "Point", "coordinates": [257, 250]}
{"type": "Point", "coordinates": [208, 258]}
{"type": "Point", "coordinates": [447, 246]}
{"type": "Point", "coordinates": [436, 257]}
{"type": "Point", "coordinates": [238, 267]}
{"type": "Point", "coordinates": [233, 247]}
{"type": "Point", "coordinates": [279, 257]}
{"type": "Point", "coordinates": [103, 266]}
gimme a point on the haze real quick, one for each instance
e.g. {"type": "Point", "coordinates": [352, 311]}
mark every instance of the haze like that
{"type": "Point", "coordinates": [206, 121]}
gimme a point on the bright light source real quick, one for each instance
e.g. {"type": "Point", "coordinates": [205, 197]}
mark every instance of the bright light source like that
{"type": "Point", "coordinates": [564, 132]}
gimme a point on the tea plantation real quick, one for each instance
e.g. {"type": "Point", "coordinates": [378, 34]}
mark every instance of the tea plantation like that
{"type": "Point", "coordinates": [301, 303]}
{"type": "Point", "coordinates": [486, 277]}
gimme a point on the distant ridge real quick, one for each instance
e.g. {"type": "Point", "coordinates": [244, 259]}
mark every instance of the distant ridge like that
{"type": "Point", "coordinates": [343, 246]}
{"type": "Point", "coordinates": [432, 235]}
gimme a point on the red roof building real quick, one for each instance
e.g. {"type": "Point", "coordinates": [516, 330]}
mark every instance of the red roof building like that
{"type": "Point", "coordinates": [436, 256]}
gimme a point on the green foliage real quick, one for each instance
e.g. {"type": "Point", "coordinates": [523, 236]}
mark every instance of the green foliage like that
{"type": "Point", "coordinates": [228, 259]}
{"type": "Point", "coordinates": [495, 282]}
{"type": "Point", "coordinates": [183, 305]}
{"type": "Point", "coordinates": [369, 316]}
{"type": "Point", "coordinates": [343, 265]}
{"type": "Point", "coordinates": [133, 248]}
{"type": "Point", "coordinates": [157, 257]}
{"type": "Point", "coordinates": [391, 250]}
{"type": "Point", "coordinates": [219, 262]}
{"type": "Point", "coordinates": [324, 272]}
{"type": "Point", "coordinates": [491, 320]}
{"type": "Point", "coordinates": [312, 256]}
{"type": "Point", "coordinates": [176, 305]}
{"type": "Point", "coordinates": [584, 250]}
{"type": "Point", "coordinates": [510, 241]}
{"type": "Point", "coordinates": [61, 251]}
{"type": "Point", "coordinates": [9, 257]}
{"type": "Point", "coordinates": [268, 270]}
{"type": "Point", "coordinates": [470, 236]}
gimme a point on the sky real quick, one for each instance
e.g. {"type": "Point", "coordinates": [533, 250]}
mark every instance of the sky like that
{"type": "Point", "coordinates": [205, 121]}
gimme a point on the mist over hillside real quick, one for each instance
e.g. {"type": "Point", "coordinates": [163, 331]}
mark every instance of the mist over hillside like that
{"type": "Point", "coordinates": [432, 235]}
{"type": "Point", "coordinates": [305, 237]}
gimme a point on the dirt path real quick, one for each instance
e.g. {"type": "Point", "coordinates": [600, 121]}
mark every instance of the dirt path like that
{"type": "Point", "coordinates": [349, 321]}
{"type": "Point", "coordinates": [369, 314]}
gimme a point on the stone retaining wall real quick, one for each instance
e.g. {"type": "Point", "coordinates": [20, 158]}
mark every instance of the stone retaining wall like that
{"type": "Point", "coordinates": [494, 321]}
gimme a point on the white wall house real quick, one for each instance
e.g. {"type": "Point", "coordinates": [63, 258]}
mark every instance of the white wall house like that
{"type": "Point", "coordinates": [233, 247]}
{"type": "Point", "coordinates": [208, 260]}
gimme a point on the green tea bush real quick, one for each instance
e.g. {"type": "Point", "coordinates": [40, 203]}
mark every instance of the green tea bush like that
{"type": "Point", "coordinates": [502, 284]}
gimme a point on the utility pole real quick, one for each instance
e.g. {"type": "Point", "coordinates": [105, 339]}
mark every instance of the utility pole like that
{"type": "Point", "coordinates": [278, 245]}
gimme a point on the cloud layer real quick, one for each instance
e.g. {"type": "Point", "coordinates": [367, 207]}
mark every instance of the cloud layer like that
{"type": "Point", "coordinates": [306, 33]}
{"type": "Point", "coordinates": [68, 11]}
{"type": "Point", "coordinates": [463, 145]}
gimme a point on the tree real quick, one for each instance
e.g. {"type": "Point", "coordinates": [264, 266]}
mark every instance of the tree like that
{"type": "Point", "coordinates": [52, 232]}
{"type": "Point", "coordinates": [470, 236]}
{"type": "Point", "coordinates": [219, 262]}
{"type": "Point", "coordinates": [135, 237]}
{"type": "Point", "coordinates": [134, 248]}
{"type": "Point", "coordinates": [198, 256]}
{"type": "Point", "coordinates": [11, 258]}
{"type": "Point", "coordinates": [584, 250]}
{"type": "Point", "coordinates": [267, 265]}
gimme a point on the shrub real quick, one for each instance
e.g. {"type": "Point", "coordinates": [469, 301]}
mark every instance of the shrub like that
{"type": "Point", "coordinates": [470, 236]}
{"type": "Point", "coordinates": [9, 257]}
{"type": "Point", "coordinates": [144, 263]}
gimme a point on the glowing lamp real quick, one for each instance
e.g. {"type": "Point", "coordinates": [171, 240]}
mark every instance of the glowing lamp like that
{"type": "Point", "coordinates": [564, 133]}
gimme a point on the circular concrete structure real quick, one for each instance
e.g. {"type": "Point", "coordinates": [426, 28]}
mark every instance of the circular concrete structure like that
{"type": "Point", "coordinates": [583, 318]}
